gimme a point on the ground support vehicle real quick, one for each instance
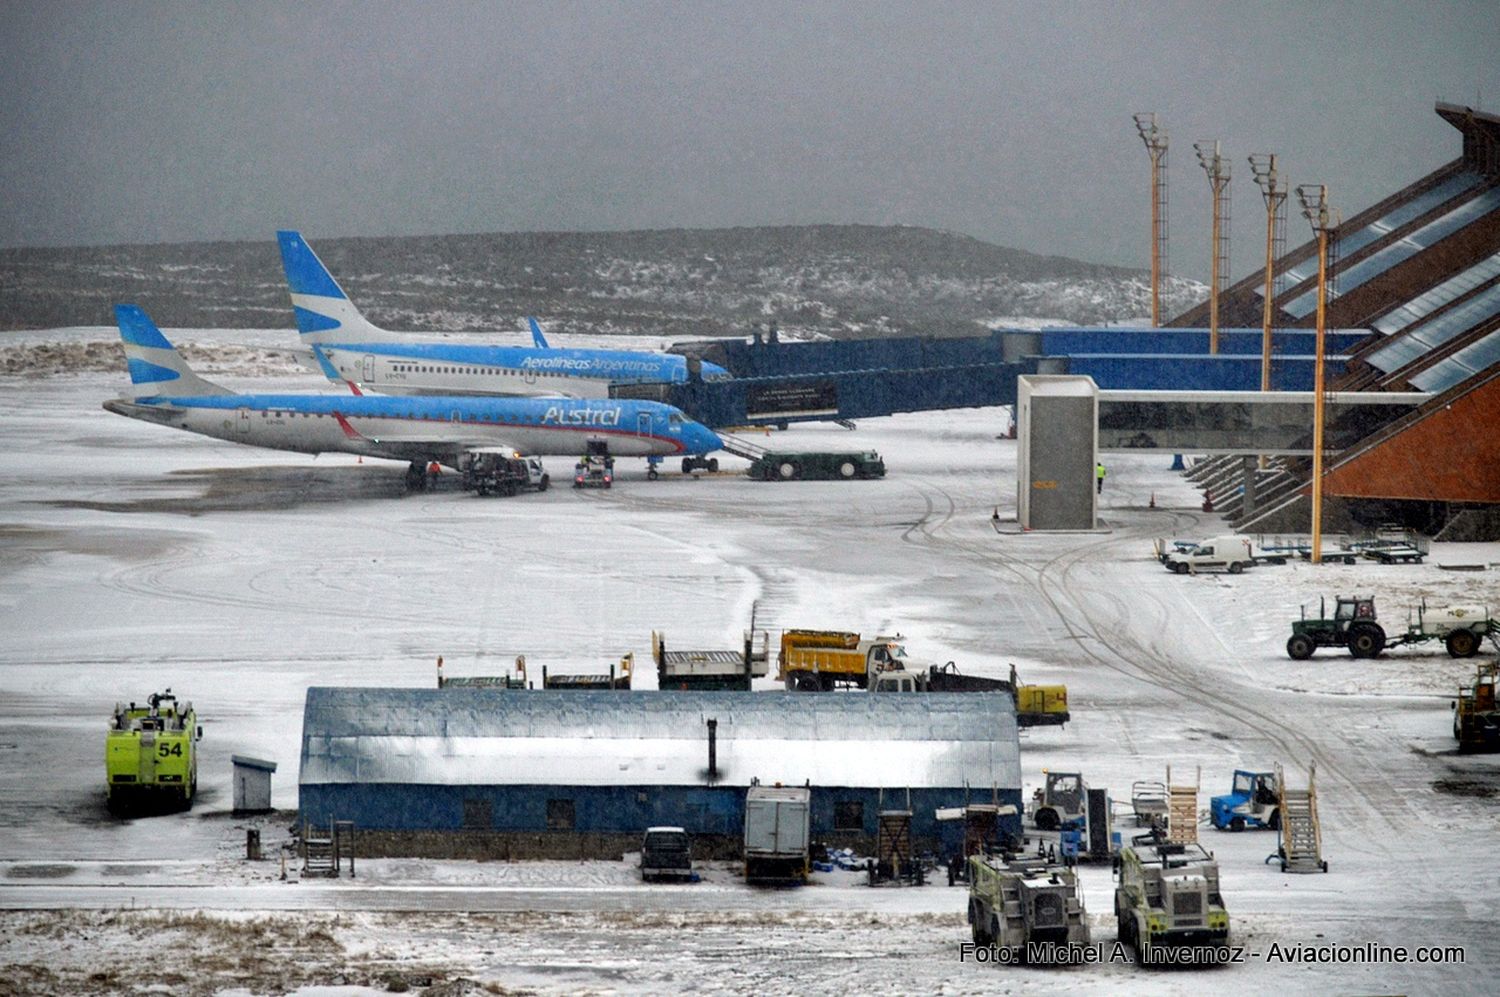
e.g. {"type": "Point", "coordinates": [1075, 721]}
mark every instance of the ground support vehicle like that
{"type": "Point", "coordinates": [1028, 905]}
{"type": "Point", "coordinates": [1060, 802]}
{"type": "Point", "coordinates": [615, 678]}
{"type": "Point", "coordinates": [666, 853]}
{"type": "Point", "coordinates": [693, 463]}
{"type": "Point", "coordinates": [1167, 896]}
{"type": "Point", "coordinates": [1476, 721]}
{"type": "Point", "coordinates": [594, 471]}
{"type": "Point", "coordinates": [1301, 848]}
{"type": "Point", "coordinates": [777, 825]}
{"type": "Point", "coordinates": [497, 474]}
{"type": "Point", "coordinates": [1405, 551]}
{"type": "Point", "coordinates": [1148, 803]}
{"type": "Point", "coordinates": [151, 757]}
{"type": "Point", "coordinates": [1253, 801]}
{"type": "Point", "coordinates": [1230, 553]}
{"type": "Point", "coordinates": [711, 670]}
{"type": "Point", "coordinates": [1036, 705]}
{"type": "Point", "coordinates": [1354, 625]}
{"type": "Point", "coordinates": [782, 466]}
{"type": "Point", "coordinates": [820, 660]}
{"type": "Point", "coordinates": [981, 834]}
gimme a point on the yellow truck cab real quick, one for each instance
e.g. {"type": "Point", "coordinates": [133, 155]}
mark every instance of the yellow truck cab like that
{"type": "Point", "coordinates": [819, 660]}
{"type": "Point", "coordinates": [150, 755]}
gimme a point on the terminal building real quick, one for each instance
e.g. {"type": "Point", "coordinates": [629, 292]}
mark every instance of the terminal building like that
{"type": "Point", "coordinates": [497, 773]}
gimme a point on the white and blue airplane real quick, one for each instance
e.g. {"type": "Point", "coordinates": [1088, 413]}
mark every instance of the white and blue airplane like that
{"type": "Point", "coordinates": [351, 349]}
{"type": "Point", "coordinates": [166, 391]}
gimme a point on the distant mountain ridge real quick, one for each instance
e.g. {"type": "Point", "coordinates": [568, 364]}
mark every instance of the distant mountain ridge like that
{"type": "Point", "coordinates": [837, 280]}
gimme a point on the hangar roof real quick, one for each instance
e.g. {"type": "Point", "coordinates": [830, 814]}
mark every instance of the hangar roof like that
{"type": "Point", "coordinates": [480, 736]}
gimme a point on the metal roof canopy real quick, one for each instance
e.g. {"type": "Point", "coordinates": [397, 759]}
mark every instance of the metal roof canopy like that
{"type": "Point", "coordinates": [1242, 422]}
{"type": "Point", "coordinates": [469, 736]}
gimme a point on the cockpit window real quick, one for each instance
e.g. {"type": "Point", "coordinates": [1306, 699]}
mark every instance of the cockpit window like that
{"type": "Point", "coordinates": [674, 422]}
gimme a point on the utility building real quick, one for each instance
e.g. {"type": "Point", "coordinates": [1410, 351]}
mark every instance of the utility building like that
{"type": "Point", "coordinates": [486, 772]}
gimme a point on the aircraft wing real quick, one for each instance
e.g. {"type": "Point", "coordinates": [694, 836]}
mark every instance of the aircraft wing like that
{"type": "Point", "coordinates": [445, 447]}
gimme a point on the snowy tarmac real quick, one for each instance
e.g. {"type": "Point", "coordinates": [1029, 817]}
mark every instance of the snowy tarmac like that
{"type": "Point", "coordinates": [133, 557]}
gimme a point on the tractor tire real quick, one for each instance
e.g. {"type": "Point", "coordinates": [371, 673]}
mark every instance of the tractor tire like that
{"type": "Point", "coordinates": [788, 470]}
{"type": "Point", "coordinates": [1461, 643]}
{"type": "Point", "coordinates": [1300, 647]}
{"type": "Point", "coordinates": [1235, 567]}
{"type": "Point", "coordinates": [687, 465]}
{"type": "Point", "coordinates": [847, 469]}
{"type": "Point", "coordinates": [1366, 640]}
{"type": "Point", "coordinates": [1046, 819]}
{"type": "Point", "coordinates": [1237, 824]}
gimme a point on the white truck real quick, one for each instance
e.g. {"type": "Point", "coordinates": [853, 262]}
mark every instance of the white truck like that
{"type": "Point", "coordinates": [1230, 553]}
{"type": "Point", "coordinates": [777, 830]}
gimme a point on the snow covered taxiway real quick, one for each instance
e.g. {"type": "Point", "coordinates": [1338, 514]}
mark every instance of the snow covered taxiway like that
{"type": "Point", "coordinates": [133, 557]}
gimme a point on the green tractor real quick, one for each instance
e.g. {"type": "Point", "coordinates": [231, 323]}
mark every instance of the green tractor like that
{"type": "Point", "coordinates": [1352, 625]}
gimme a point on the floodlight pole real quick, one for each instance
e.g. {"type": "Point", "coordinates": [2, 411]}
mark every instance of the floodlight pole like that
{"type": "Point", "coordinates": [1268, 179]}
{"type": "Point", "coordinates": [1217, 168]}
{"type": "Point", "coordinates": [1314, 200]}
{"type": "Point", "coordinates": [1155, 139]}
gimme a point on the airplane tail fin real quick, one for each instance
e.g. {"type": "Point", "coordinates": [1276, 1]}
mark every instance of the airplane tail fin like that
{"type": "Point", "coordinates": [537, 339]}
{"type": "Point", "coordinates": [324, 312]}
{"type": "Point", "coordinates": [156, 368]}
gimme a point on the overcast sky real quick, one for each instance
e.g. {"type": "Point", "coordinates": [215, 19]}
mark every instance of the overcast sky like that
{"type": "Point", "coordinates": [167, 122]}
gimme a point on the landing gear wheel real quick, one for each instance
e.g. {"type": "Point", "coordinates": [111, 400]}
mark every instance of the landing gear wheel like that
{"type": "Point", "coordinates": [1300, 647]}
{"type": "Point", "coordinates": [1462, 643]}
{"type": "Point", "coordinates": [713, 465]}
{"type": "Point", "coordinates": [651, 474]}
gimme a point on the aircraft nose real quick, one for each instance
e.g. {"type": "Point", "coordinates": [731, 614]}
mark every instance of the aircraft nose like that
{"type": "Point", "coordinates": [705, 440]}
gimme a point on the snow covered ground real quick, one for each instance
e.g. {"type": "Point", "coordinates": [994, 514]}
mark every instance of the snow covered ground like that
{"type": "Point", "coordinates": [134, 557]}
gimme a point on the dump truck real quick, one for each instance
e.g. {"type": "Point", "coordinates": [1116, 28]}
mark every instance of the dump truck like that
{"type": "Point", "coordinates": [1167, 896]}
{"type": "Point", "coordinates": [712, 669]}
{"type": "Point", "coordinates": [1028, 905]}
{"type": "Point", "coordinates": [1476, 721]}
{"type": "Point", "coordinates": [777, 832]}
{"type": "Point", "coordinates": [1253, 801]}
{"type": "Point", "coordinates": [817, 466]}
{"type": "Point", "coordinates": [1354, 626]}
{"type": "Point", "coordinates": [151, 757]}
{"type": "Point", "coordinates": [820, 660]}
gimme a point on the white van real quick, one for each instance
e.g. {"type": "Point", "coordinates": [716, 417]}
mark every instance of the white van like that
{"type": "Point", "coordinates": [1230, 553]}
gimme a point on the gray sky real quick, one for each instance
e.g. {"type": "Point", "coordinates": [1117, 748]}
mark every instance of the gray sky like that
{"type": "Point", "coordinates": [165, 122]}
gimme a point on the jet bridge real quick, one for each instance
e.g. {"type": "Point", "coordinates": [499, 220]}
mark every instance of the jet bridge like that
{"type": "Point", "coordinates": [1240, 422]}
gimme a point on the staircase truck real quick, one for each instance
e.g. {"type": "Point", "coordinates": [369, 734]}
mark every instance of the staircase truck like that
{"type": "Point", "coordinates": [150, 755]}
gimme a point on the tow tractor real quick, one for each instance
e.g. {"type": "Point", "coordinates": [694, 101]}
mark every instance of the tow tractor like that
{"type": "Point", "coordinates": [1476, 721]}
{"type": "Point", "coordinates": [594, 471]}
{"type": "Point", "coordinates": [1060, 802]}
{"type": "Point", "coordinates": [1353, 625]}
{"type": "Point", "coordinates": [1252, 802]}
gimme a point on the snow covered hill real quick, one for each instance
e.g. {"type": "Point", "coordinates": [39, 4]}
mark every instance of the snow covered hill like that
{"type": "Point", "coordinates": [840, 281]}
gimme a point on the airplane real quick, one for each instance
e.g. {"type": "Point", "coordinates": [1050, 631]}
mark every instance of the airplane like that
{"type": "Point", "coordinates": [360, 353]}
{"type": "Point", "coordinates": [166, 391]}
